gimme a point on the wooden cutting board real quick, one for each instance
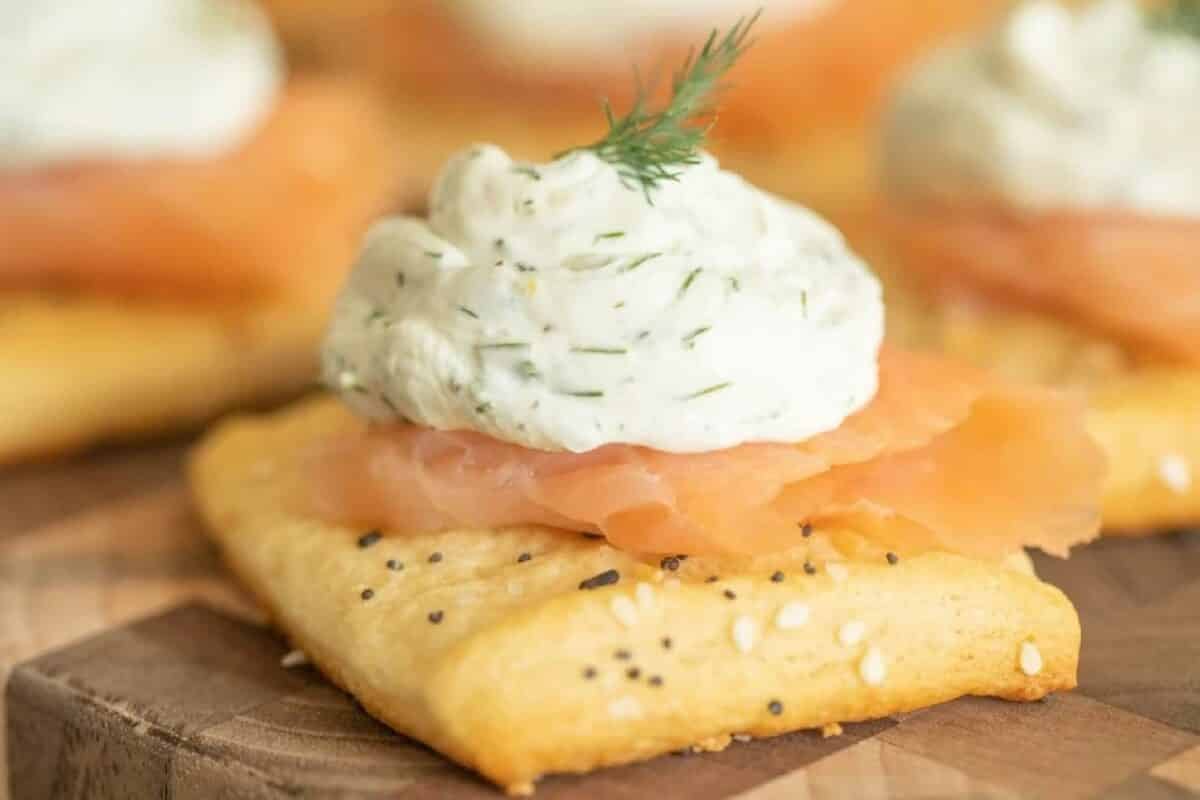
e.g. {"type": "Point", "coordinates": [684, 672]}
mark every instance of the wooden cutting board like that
{"type": "Point", "coordinates": [135, 668]}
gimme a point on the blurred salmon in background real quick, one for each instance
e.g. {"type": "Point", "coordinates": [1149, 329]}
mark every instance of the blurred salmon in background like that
{"type": "Point", "coordinates": [176, 212]}
{"type": "Point", "coordinates": [528, 74]}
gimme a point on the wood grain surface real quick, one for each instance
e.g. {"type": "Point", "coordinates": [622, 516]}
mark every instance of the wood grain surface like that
{"type": "Point", "coordinates": [133, 667]}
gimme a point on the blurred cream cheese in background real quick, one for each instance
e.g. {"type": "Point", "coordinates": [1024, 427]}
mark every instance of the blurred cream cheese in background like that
{"type": "Point", "coordinates": [1054, 109]}
{"type": "Point", "coordinates": [86, 80]}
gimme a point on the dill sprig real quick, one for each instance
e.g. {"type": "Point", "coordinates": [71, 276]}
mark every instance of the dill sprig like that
{"type": "Point", "coordinates": [1177, 16]}
{"type": "Point", "coordinates": [648, 147]}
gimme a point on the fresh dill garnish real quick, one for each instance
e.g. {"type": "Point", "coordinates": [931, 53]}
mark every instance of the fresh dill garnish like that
{"type": "Point", "coordinates": [601, 351]}
{"type": "Point", "coordinates": [689, 341]}
{"type": "Point", "coordinates": [434, 254]}
{"type": "Point", "coordinates": [375, 316]}
{"type": "Point", "coordinates": [483, 408]}
{"type": "Point", "coordinates": [710, 390]}
{"type": "Point", "coordinates": [735, 284]}
{"type": "Point", "coordinates": [1177, 16]}
{"type": "Point", "coordinates": [586, 393]}
{"type": "Point", "coordinates": [637, 262]}
{"type": "Point", "coordinates": [530, 172]}
{"type": "Point", "coordinates": [502, 346]}
{"type": "Point", "coordinates": [528, 370]}
{"type": "Point", "coordinates": [648, 147]}
{"type": "Point", "coordinates": [689, 280]}
{"type": "Point", "coordinates": [523, 267]}
{"type": "Point", "coordinates": [643, 336]}
{"type": "Point", "coordinates": [804, 303]}
{"type": "Point", "coordinates": [619, 304]}
{"type": "Point", "coordinates": [610, 235]}
{"type": "Point", "coordinates": [468, 312]}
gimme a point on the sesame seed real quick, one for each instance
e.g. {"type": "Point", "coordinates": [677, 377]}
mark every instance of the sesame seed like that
{"type": "Point", "coordinates": [775, 707]}
{"type": "Point", "coordinates": [711, 579]}
{"type": "Point", "coordinates": [745, 634]}
{"type": "Point", "coordinates": [893, 559]}
{"type": "Point", "coordinates": [521, 559]}
{"type": "Point", "coordinates": [872, 669]}
{"type": "Point", "coordinates": [645, 596]}
{"type": "Point", "coordinates": [809, 569]}
{"type": "Point", "coordinates": [395, 565]}
{"type": "Point", "coordinates": [837, 571]}
{"type": "Point", "coordinates": [730, 594]}
{"type": "Point", "coordinates": [655, 680]}
{"type": "Point", "coordinates": [806, 530]}
{"type": "Point", "coordinates": [625, 708]}
{"type": "Point", "coordinates": [435, 558]}
{"type": "Point", "coordinates": [777, 577]}
{"type": "Point", "coordinates": [1175, 473]}
{"type": "Point", "coordinates": [622, 655]}
{"type": "Point", "coordinates": [670, 563]}
{"type": "Point", "coordinates": [792, 616]}
{"type": "Point", "coordinates": [293, 659]}
{"type": "Point", "coordinates": [435, 617]}
{"type": "Point", "coordinates": [367, 594]}
{"type": "Point", "coordinates": [606, 578]}
{"type": "Point", "coordinates": [1031, 659]}
{"type": "Point", "coordinates": [624, 610]}
{"type": "Point", "coordinates": [369, 538]}
{"type": "Point", "coordinates": [742, 737]}
{"type": "Point", "coordinates": [666, 643]}
{"type": "Point", "coordinates": [589, 673]}
{"type": "Point", "coordinates": [852, 633]}
{"type": "Point", "coordinates": [633, 673]}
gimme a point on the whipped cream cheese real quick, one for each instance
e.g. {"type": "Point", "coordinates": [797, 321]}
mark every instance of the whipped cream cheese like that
{"type": "Point", "coordinates": [1054, 109]}
{"type": "Point", "coordinates": [89, 80]}
{"type": "Point", "coordinates": [576, 32]}
{"type": "Point", "coordinates": [552, 306]}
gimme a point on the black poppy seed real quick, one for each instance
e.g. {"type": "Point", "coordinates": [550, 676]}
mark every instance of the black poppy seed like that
{"type": "Point", "coordinates": [809, 569]}
{"type": "Point", "coordinates": [730, 594]}
{"type": "Point", "coordinates": [622, 655]}
{"type": "Point", "coordinates": [395, 565]}
{"type": "Point", "coordinates": [589, 673]}
{"type": "Point", "coordinates": [633, 673]}
{"type": "Point", "coordinates": [893, 559]}
{"type": "Point", "coordinates": [435, 558]}
{"type": "Point", "coordinates": [655, 680]}
{"type": "Point", "coordinates": [606, 578]}
{"type": "Point", "coordinates": [369, 538]}
{"type": "Point", "coordinates": [775, 707]}
{"type": "Point", "coordinates": [367, 594]}
{"type": "Point", "coordinates": [711, 579]}
{"type": "Point", "coordinates": [777, 577]}
{"type": "Point", "coordinates": [666, 642]}
{"type": "Point", "coordinates": [435, 617]}
{"type": "Point", "coordinates": [521, 559]}
{"type": "Point", "coordinates": [670, 563]}
{"type": "Point", "coordinates": [806, 530]}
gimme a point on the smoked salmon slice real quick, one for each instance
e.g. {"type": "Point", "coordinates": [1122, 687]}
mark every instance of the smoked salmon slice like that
{"type": "Point", "coordinates": [1134, 277]}
{"type": "Point", "coordinates": [943, 458]}
{"type": "Point", "coordinates": [281, 216]}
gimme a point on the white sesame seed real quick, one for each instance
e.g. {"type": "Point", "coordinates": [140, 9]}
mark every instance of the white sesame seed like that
{"type": "Point", "coordinates": [792, 616]}
{"type": "Point", "coordinates": [293, 658]}
{"type": "Point", "coordinates": [872, 668]}
{"type": "Point", "coordinates": [838, 572]}
{"type": "Point", "coordinates": [1031, 659]}
{"type": "Point", "coordinates": [645, 596]}
{"type": "Point", "coordinates": [347, 380]}
{"type": "Point", "coordinates": [745, 633]}
{"type": "Point", "coordinates": [625, 708]}
{"type": "Point", "coordinates": [624, 610]}
{"type": "Point", "coordinates": [852, 633]}
{"type": "Point", "coordinates": [1175, 473]}
{"type": "Point", "coordinates": [742, 737]}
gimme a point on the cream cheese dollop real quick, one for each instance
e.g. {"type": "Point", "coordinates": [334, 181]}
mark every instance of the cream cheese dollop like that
{"type": "Point", "coordinates": [1054, 109]}
{"type": "Point", "coordinates": [85, 80]}
{"type": "Point", "coordinates": [568, 34]}
{"type": "Point", "coordinates": [555, 307]}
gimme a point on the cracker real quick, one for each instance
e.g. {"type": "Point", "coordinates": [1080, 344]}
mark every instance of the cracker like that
{"type": "Point", "coordinates": [503, 663]}
{"type": "Point", "coordinates": [82, 370]}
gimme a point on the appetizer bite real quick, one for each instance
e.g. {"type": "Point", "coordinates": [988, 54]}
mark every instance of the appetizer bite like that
{"type": "Point", "coordinates": [1043, 218]}
{"type": "Point", "coordinates": [529, 72]}
{"type": "Point", "coordinates": [618, 466]}
{"type": "Point", "coordinates": [175, 216]}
